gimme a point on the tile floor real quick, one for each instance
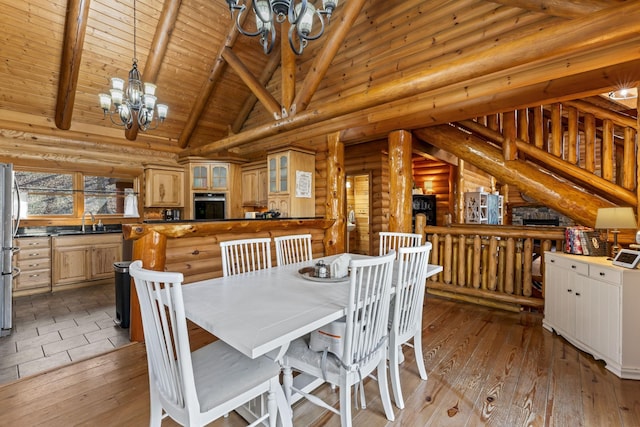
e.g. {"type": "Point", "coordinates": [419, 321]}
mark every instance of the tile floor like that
{"type": "Point", "coordinates": [51, 330]}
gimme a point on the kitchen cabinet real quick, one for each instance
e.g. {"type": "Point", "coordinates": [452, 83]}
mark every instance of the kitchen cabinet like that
{"type": "Point", "coordinates": [593, 304]}
{"type": "Point", "coordinates": [254, 184]}
{"type": "Point", "coordinates": [209, 176]}
{"type": "Point", "coordinates": [85, 260]}
{"type": "Point", "coordinates": [34, 262]}
{"type": "Point", "coordinates": [291, 182]}
{"type": "Point", "coordinates": [164, 187]}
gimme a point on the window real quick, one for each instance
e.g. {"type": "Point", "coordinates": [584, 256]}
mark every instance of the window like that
{"type": "Point", "coordinates": [46, 193]}
{"type": "Point", "coordinates": [105, 195]}
{"type": "Point", "coordinates": [51, 194]}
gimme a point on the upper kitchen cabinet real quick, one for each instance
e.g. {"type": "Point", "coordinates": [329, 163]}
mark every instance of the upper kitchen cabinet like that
{"type": "Point", "coordinates": [254, 184]}
{"type": "Point", "coordinates": [291, 182]}
{"type": "Point", "coordinates": [209, 176]}
{"type": "Point", "coordinates": [164, 186]}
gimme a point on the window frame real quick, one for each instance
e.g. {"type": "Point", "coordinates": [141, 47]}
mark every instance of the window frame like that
{"type": "Point", "coordinates": [78, 196]}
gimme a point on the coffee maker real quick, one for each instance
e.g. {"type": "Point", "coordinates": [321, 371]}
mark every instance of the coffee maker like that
{"type": "Point", "coordinates": [171, 214]}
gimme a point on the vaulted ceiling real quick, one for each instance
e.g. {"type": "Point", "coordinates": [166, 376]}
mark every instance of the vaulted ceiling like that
{"type": "Point", "coordinates": [380, 65]}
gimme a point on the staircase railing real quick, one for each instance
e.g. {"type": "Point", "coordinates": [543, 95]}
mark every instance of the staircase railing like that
{"type": "Point", "coordinates": [598, 145]}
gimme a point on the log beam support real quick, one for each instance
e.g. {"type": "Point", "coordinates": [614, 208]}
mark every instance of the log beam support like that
{"type": "Point", "coordinates": [335, 204]}
{"type": "Point", "coordinates": [400, 181]}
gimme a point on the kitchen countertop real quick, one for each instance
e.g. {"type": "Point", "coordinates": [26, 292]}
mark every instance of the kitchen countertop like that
{"type": "Point", "coordinates": [280, 218]}
{"type": "Point", "coordinates": [56, 231]}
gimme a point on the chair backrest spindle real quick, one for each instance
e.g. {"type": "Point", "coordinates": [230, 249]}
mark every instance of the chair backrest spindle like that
{"type": "Point", "coordinates": [293, 249]}
{"type": "Point", "coordinates": [394, 240]}
{"type": "Point", "coordinates": [245, 255]}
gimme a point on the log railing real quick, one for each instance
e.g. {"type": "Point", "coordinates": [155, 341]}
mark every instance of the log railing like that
{"type": "Point", "coordinates": [490, 265]}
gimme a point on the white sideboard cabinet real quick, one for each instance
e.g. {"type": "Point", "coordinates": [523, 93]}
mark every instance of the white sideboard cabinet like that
{"type": "Point", "coordinates": [596, 307]}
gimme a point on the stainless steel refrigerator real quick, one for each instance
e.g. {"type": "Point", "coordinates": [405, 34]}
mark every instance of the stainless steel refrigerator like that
{"type": "Point", "coordinates": [9, 221]}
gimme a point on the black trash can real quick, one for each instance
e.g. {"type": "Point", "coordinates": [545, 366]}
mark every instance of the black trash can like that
{"type": "Point", "coordinates": [123, 293]}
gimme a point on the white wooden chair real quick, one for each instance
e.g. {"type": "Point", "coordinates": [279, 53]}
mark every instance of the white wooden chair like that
{"type": "Point", "coordinates": [293, 249]}
{"type": "Point", "coordinates": [196, 388]}
{"type": "Point", "coordinates": [393, 240]}
{"type": "Point", "coordinates": [406, 316]}
{"type": "Point", "coordinates": [245, 255]}
{"type": "Point", "coordinates": [365, 341]}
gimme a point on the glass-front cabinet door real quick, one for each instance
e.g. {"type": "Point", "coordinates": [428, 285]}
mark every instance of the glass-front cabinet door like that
{"type": "Point", "coordinates": [219, 177]}
{"type": "Point", "coordinates": [273, 175]}
{"type": "Point", "coordinates": [208, 176]}
{"type": "Point", "coordinates": [279, 173]}
{"type": "Point", "coordinates": [284, 173]}
{"type": "Point", "coordinates": [200, 176]}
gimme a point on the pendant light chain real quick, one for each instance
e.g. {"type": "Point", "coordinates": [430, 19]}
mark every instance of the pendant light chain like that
{"type": "Point", "coordinates": [135, 56]}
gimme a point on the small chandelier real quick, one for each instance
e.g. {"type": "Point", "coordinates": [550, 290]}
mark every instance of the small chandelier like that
{"type": "Point", "coordinates": [136, 102]}
{"type": "Point", "coordinates": [268, 12]}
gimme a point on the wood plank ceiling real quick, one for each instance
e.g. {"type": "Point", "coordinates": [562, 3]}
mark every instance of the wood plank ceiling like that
{"type": "Point", "coordinates": [190, 49]}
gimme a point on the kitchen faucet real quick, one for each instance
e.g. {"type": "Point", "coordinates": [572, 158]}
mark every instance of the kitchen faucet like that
{"type": "Point", "coordinates": [93, 220]}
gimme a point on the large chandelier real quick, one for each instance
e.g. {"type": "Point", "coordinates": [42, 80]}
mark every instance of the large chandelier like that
{"type": "Point", "coordinates": [136, 102]}
{"type": "Point", "coordinates": [269, 12]}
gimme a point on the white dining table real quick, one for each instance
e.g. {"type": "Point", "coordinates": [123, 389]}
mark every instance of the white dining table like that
{"type": "Point", "coordinates": [261, 312]}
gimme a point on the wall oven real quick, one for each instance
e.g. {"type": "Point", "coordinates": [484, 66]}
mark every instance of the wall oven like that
{"type": "Point", "coordinates": [209, 205]}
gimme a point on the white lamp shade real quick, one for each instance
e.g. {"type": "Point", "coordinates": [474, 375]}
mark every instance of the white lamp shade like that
{"type": "Point", "coordinates": [616, 218]}
{"type": "Point", "coordinates": [105, 101]}
{"type": "Point", "coordinates": [116, 96]}
{"type": "Point", "coordinates": [117, 83]}
{"type": "Point", "coordinates": [162, 111]}
{"type": "Point", "coordinates": [149, 89]}
{"type": "Point", "coordinates": [306, 21]}
{"type": "Point", "coordinates": [149, 101]}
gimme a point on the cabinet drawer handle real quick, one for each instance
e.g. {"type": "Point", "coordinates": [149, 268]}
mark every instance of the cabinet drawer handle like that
{"type": "Point", "coordinates": [569, 290]}
{"type": "Point", "coordinates": [573, 266]}
{"type": "Point", "coordinates": [552, 260]}
{"type": "Point", "coordinates": [33, 275]}
{"type": "Point", "coordinates": [34, 254]}
{"type": "Point", "coordinates": [602, 273]}
{"type": "Point", "coordinates": [577, 294]}
{"type": "Point", "coordinates": [33, 265]}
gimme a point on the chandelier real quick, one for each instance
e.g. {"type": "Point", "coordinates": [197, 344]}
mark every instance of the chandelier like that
{"type": "Point", "coordinates": [269, 12]}
{"type": "Point", "coordinates": [136, 102]}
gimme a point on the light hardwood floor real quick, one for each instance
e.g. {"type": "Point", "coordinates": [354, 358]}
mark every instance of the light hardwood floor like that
{"type": "Point", "coordinates": [486, 367]}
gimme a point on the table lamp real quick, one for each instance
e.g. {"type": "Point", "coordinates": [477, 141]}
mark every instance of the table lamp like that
{"type": "Point", "coordinates": [613, 219]}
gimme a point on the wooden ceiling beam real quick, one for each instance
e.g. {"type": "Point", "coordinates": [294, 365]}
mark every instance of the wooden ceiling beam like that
{"type": "Point", "coordinates": [157, 50]}
{"type": "Point", "coordinates": [265, 97]}
{"type": "Point", "coordinates": [208, 85]}
{"type": "Point", "coordinates": [288, 70]}
{"type": "Point", "coordinates": [558, 41]}
{"type": "Point", "coordinates": [74, 31]}
{"type": "Point", "coordinates": [250, 102]}
{"type": "Point", "coordinates": [322, 61]}
{"type": "Point", "coordinates": [561, 8]}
